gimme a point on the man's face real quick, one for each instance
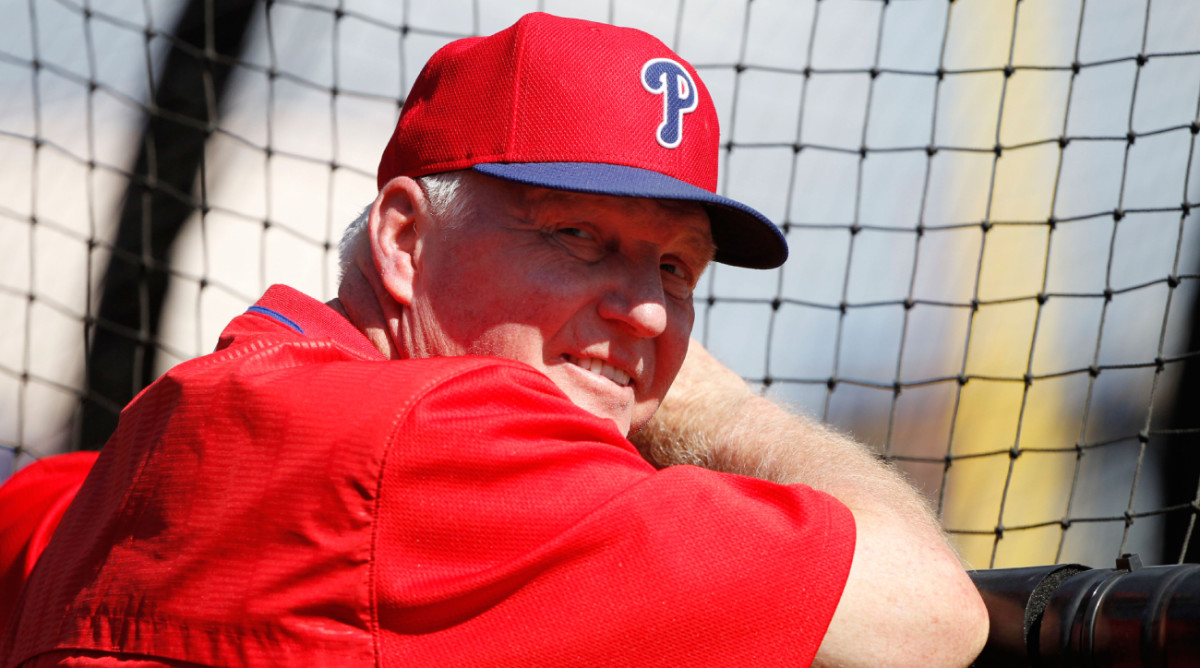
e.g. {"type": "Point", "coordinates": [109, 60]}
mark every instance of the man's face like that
{"type": "Point", "coordinates": [593, 291]}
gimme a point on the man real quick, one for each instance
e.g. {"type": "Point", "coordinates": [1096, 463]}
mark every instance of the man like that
{"type": "Point", "coordinates": [434, 467]}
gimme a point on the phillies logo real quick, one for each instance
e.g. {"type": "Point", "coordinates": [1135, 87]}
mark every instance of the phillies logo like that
{"type": "Point", "coordinates": [669, 79]}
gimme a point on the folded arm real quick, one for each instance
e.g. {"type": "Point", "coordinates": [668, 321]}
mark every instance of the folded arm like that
{"type": "Point", "coordinates": [907, 600]}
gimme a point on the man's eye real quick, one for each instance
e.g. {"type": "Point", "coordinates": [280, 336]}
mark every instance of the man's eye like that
{"type": "Point", "coordinates": [673, 269]}
{"type": "Point", "coordinates": [574, 232]}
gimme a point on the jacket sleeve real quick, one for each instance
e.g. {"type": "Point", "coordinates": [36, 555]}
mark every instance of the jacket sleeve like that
{"type": "Point", "coordinates": [511, 520]}
{"type": "Point", "coordinates": [32, 503]}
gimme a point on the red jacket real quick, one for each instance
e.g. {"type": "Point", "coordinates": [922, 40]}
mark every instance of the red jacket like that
{"type": "Point", "coordinates": [295, 499]}
{"type": "Point", "coordinates": [32, 503]}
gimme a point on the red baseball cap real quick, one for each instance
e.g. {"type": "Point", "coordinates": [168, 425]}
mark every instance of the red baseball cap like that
{"type": "Point", "coordinates": [579, 106]}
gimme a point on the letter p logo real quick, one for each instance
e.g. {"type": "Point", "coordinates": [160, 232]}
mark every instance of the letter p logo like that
{"type": "Point", "coordinates": [665, 77]}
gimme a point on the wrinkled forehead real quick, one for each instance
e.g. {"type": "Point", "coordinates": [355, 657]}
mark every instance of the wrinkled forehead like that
{"type": "Point", "coordinates": [686, 221]}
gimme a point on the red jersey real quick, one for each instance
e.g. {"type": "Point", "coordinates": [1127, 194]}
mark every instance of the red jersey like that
{"type": "Point", "coordinates": [32, 503]}
{"type": "Point", "coordinates": [296, 499]}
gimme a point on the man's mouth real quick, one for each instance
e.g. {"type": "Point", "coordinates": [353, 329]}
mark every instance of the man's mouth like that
{"type": "Point", "coordinates": [600, 368]}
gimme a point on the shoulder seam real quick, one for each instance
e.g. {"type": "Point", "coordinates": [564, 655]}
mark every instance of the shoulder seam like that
{"type": "Point", "coordinates": [401, 415]}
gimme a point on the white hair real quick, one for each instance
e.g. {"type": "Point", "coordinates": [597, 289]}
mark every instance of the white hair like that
{"type": "Point", "coordinates": [450, 201]}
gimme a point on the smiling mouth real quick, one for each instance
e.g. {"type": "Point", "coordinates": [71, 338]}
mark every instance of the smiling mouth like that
{"type": "Point", "coordinates": [600, 368]}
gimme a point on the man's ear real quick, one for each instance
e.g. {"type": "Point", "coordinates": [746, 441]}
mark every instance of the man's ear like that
{"type": "Point", "coordinates": [399, 215]}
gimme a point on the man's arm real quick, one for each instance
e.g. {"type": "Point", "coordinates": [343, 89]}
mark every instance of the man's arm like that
{"type": "Point", "coordinates": [907, 601]}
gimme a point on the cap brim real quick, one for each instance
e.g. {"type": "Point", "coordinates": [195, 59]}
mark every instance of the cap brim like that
{"type": "Point", "coordinates": [743, 236]}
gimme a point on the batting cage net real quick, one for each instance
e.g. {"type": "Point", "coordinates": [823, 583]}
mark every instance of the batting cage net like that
{"type": "Point", "coordinates": [994, 266]}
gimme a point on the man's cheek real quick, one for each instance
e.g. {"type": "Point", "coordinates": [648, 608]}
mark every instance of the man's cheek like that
{"type": "Point", "coordinates": [671, 354]}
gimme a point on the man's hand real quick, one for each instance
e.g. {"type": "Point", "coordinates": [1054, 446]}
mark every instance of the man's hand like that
{"type": "Point", "coordinates": [907, 601]}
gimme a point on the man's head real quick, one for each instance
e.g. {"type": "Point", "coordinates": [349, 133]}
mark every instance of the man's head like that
{"type": "Point", "coordinates": [549, 196]}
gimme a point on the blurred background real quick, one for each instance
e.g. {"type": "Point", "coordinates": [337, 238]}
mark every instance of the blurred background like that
{"type": "Point", "coordinates": [994, 266]}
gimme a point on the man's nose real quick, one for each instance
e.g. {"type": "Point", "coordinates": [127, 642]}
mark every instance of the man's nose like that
{"type": "Point", "coordinates": [637, 300]}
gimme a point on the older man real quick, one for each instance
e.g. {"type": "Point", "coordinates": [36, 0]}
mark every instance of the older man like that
{"type": "Point", "coordinates": [434, 468]}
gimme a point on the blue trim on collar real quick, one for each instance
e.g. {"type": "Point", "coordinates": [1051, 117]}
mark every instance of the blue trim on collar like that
{"type": "Point", "coordinates": [276, 315]}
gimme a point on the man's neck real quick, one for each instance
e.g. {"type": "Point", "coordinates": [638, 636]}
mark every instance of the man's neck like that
{"type": "Point", "coordinates": [358, 303]}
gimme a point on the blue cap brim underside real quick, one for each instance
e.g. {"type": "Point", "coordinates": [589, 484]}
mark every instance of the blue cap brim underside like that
{"type": "Point", "coordinates": [743, 236]}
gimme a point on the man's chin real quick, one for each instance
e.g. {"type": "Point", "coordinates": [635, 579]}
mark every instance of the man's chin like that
{"type": "Point", "coordinates": [620, 416]}
{"type": "Point", "coordinates": [622, 423]}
